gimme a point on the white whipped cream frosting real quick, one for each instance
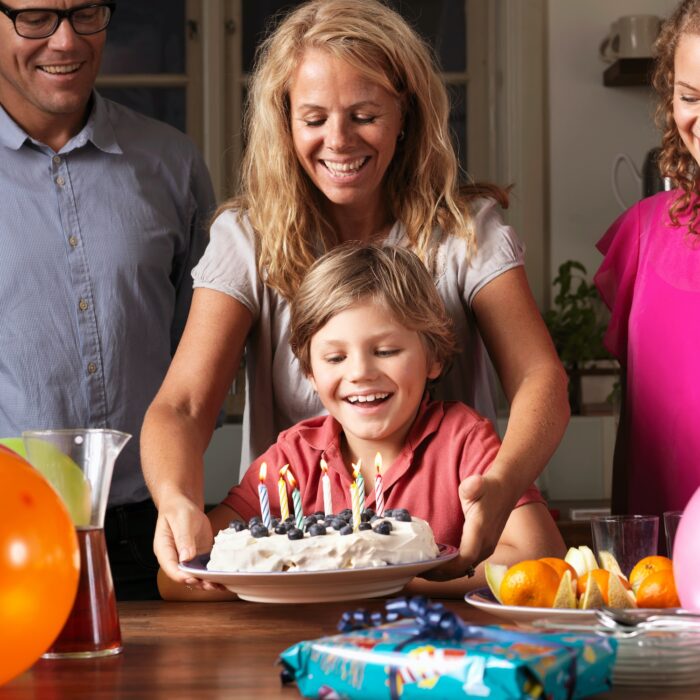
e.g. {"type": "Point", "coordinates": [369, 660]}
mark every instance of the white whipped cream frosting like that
{"type": "Point", "coordinates": [407, 542]}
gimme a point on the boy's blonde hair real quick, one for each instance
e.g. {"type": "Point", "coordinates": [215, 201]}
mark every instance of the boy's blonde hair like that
{"type": "Point", "coordinates": [392, 276]}
{"type": "Point", "coordinates": [421, 186]}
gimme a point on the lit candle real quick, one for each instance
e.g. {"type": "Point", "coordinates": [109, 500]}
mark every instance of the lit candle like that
{"type": "Point", "coordinates": [282, 489]}
{"type": "Point", "coordinates": [355, 503]}
{"type": "Point", "coordinates": [296, 499]}
{"type": "Point", "coordinates": [378, 494]}
{"type": "Point", "coordinates": [262, 493]}
{"type": "Point", "coordinates": [357, 475]}
{"type": "Point", "coordinates": [326, 484]}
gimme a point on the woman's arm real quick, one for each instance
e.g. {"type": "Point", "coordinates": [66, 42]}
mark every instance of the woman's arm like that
{"type": "Point", "coordinates": [535, 384]}
{"type": "Point", "coordinates": [530, 533]}
{"type": "Point", "coordinates": [180, 421]}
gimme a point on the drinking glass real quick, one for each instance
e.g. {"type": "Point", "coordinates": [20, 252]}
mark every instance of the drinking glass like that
{"type": "Point", "coordinates": [628, 538]}
{"type": "Point", "coordinates": [671, 520]}
{"type": "Point", "coordinates": [79, 465]}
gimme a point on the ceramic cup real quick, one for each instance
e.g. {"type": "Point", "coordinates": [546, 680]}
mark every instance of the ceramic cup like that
{"type": "Point", "coordinates": [631, 36]}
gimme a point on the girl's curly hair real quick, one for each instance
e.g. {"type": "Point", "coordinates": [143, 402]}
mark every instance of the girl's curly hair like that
{"type": "Point", "coordinates": [675, 160]}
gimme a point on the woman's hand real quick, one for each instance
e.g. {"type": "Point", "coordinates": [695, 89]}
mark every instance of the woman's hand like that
{"type": "Point", "coordinates": [487, 507]}
{"type": "Point", "coordinates": [182, 532]}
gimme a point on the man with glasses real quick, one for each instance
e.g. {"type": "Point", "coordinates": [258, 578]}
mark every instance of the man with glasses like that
{"type": "Point", "coordinates": [102, 218]}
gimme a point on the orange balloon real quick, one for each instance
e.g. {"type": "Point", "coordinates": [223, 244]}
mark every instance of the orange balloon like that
{"type": "Point", "coordinates": [39, 565]}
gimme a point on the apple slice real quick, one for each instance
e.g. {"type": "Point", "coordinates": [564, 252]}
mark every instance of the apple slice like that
{"type": "Point", "coordinates": [494, 574]}
{"type": "Point", "coordinates": [609, 563]}
{"type": "Point", "coordinates": [565, 596]}
{"type": "Point", "coordinates": [575, 558]}
{"type": "Point", "coordinates": [592, 597]}
{"type": "Point", "coordinates": [588, 557]}
{"type": "Point", "coordinates": [618, 595]}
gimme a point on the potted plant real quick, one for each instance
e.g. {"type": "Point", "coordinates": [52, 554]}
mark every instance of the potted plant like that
{"type": "Point", "coordinates": [577, 322]}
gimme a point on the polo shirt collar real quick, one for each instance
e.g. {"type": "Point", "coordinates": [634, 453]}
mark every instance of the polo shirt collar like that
{"type": "Point", "coordinates": [99, 130]}
{"type": "Point", "coordinates": [325, 438]}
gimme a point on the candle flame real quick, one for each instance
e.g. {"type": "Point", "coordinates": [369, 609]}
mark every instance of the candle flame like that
{"type": "Point", "coordinates": [263, 472]}
{"type": "Point", "coordinates": [324, 466]}
{"type": "Point", "coordinates": [283, 471]}
{"type": "Point", "coordinates": [290, 477]}
{"type": "Point", "coordinates": [378, 462]}
{"type": "Point", "coordinates": [356, 469]}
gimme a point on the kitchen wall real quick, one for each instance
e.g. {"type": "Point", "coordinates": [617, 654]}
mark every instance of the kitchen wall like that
{"type": "Point", "coordinates": [589, 124]}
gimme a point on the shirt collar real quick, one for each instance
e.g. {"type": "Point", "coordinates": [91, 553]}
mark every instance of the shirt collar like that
{"type": "Point", "coordinates": [99, 130]}
{"type": "Point", "coordinates": [325, 437]}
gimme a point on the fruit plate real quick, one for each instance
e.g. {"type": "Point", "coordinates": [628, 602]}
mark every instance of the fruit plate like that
{"type": "Point", "coordinates": [483, 599]}
{"type": "Point", "coordinates": [317, 586]}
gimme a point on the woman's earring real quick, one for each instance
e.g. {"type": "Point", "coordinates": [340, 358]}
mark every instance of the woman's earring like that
{"type": "Point", "coordinates": [402, 135]}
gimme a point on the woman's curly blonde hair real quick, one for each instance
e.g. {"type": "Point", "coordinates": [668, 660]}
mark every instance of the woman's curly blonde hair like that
{"type": "Point", "coordinates": [283, 206]}
{"type": "Point", "coordinates": [675, 160]}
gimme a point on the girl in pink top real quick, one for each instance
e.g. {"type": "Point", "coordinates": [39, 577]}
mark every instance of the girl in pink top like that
{"type": "Point", "coordinates": [650, 279]}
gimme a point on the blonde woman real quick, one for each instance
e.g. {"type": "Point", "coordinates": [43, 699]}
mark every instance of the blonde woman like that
{"type": "Point", "coordinates": [348, 140]}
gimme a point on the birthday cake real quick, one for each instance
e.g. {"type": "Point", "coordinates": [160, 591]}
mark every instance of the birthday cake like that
{"type": "Point", "coordinates": [325, 542]}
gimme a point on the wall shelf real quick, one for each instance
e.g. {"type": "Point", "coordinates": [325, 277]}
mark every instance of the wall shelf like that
{"type": "Point", "coordinates": [628, 71]}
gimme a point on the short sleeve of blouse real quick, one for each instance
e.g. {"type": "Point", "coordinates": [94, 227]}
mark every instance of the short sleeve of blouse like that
{"type": "Point", "coordinates": [229, 263]}
{"type": "Point", "coordinates": [498, 249]}
{"type": "Point", "coordinates": [616, 277]}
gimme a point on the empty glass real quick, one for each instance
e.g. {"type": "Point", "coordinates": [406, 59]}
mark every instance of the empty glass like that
{"type": "Point", "coordinates": [671, 520]}
{"type": "Point", "coordinates": [79, 464]}
{"type": "Point", "coordinates": [628, 538]}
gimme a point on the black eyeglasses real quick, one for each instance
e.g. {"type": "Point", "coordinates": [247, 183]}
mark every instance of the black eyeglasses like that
{"type": "Point", "coordinates": [38, 23]}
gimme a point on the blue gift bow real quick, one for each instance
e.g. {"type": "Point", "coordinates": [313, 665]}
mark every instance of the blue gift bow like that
{"type": "Point", "coordinates": [434, 621]}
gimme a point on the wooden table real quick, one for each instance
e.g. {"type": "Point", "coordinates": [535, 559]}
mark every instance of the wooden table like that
{"type": "Point", "coordinates": [199, 651]}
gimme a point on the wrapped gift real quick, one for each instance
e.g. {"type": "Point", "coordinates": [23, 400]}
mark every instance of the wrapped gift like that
{"type": "Point", "coordinates": [419, 648]}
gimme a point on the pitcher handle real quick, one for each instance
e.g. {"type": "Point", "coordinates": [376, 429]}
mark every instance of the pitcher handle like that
{"type": "Point", "coordinates": [619, 158]}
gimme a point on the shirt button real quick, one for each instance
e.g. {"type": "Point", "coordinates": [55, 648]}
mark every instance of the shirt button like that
{"type": "Point", "coordinates": [83, 305]}
{"type": "Point", "coordinates": [60, 181]}
{"type": "Point", "coordinates": [57, 160]}
{"type": "Point", "coordinates": [91, 368]}
{"type": "Point", "coordinates": [73, 240]}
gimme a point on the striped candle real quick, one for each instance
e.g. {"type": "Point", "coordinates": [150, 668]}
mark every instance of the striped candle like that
{"type": "Point", "coordinates": [326, 485]}
{"type": "Point", "coordinates": [282, 489]}
{"type": "Point", "coordinates": [296, 500]}
{"type": "Point", "coordinates": [355, 503]}
{"type": "Point", "coordinates": [359, 479]}
{"type": "Point", "coordinates": [378, 493]}
{"type": "Point", "coordinates": [262, 494]}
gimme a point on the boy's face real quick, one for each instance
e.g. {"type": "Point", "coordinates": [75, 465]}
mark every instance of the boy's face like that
{"type": "Point", "coordinates": [370, 373]}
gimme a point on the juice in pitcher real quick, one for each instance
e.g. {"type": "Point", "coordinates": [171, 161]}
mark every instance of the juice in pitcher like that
{"type": "Point", "coordinates": [92, 628]}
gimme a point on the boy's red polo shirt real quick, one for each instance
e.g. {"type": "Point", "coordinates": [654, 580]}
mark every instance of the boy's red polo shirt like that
{"type": "Point", "coordinates": [447, 442]}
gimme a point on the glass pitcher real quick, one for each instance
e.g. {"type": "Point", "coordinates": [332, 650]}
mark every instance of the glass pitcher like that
{"type": "Point", "coordinates": [79, 464]}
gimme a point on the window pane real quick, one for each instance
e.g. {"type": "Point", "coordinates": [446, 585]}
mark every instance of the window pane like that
{"type": "Point", "coordinates": [257, 18]}
{"type": "Point", "coordinates": [165, 104]}
{"type": "Point", "coordinates": [442, 23]}
{"type": "Point", "coordinates": [458, 124]}
{"type": "Point", "coordinates": [146, 37]}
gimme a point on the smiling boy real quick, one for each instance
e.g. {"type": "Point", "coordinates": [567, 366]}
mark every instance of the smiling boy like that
{"type": "Point", "coordinates": [370, 330]}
